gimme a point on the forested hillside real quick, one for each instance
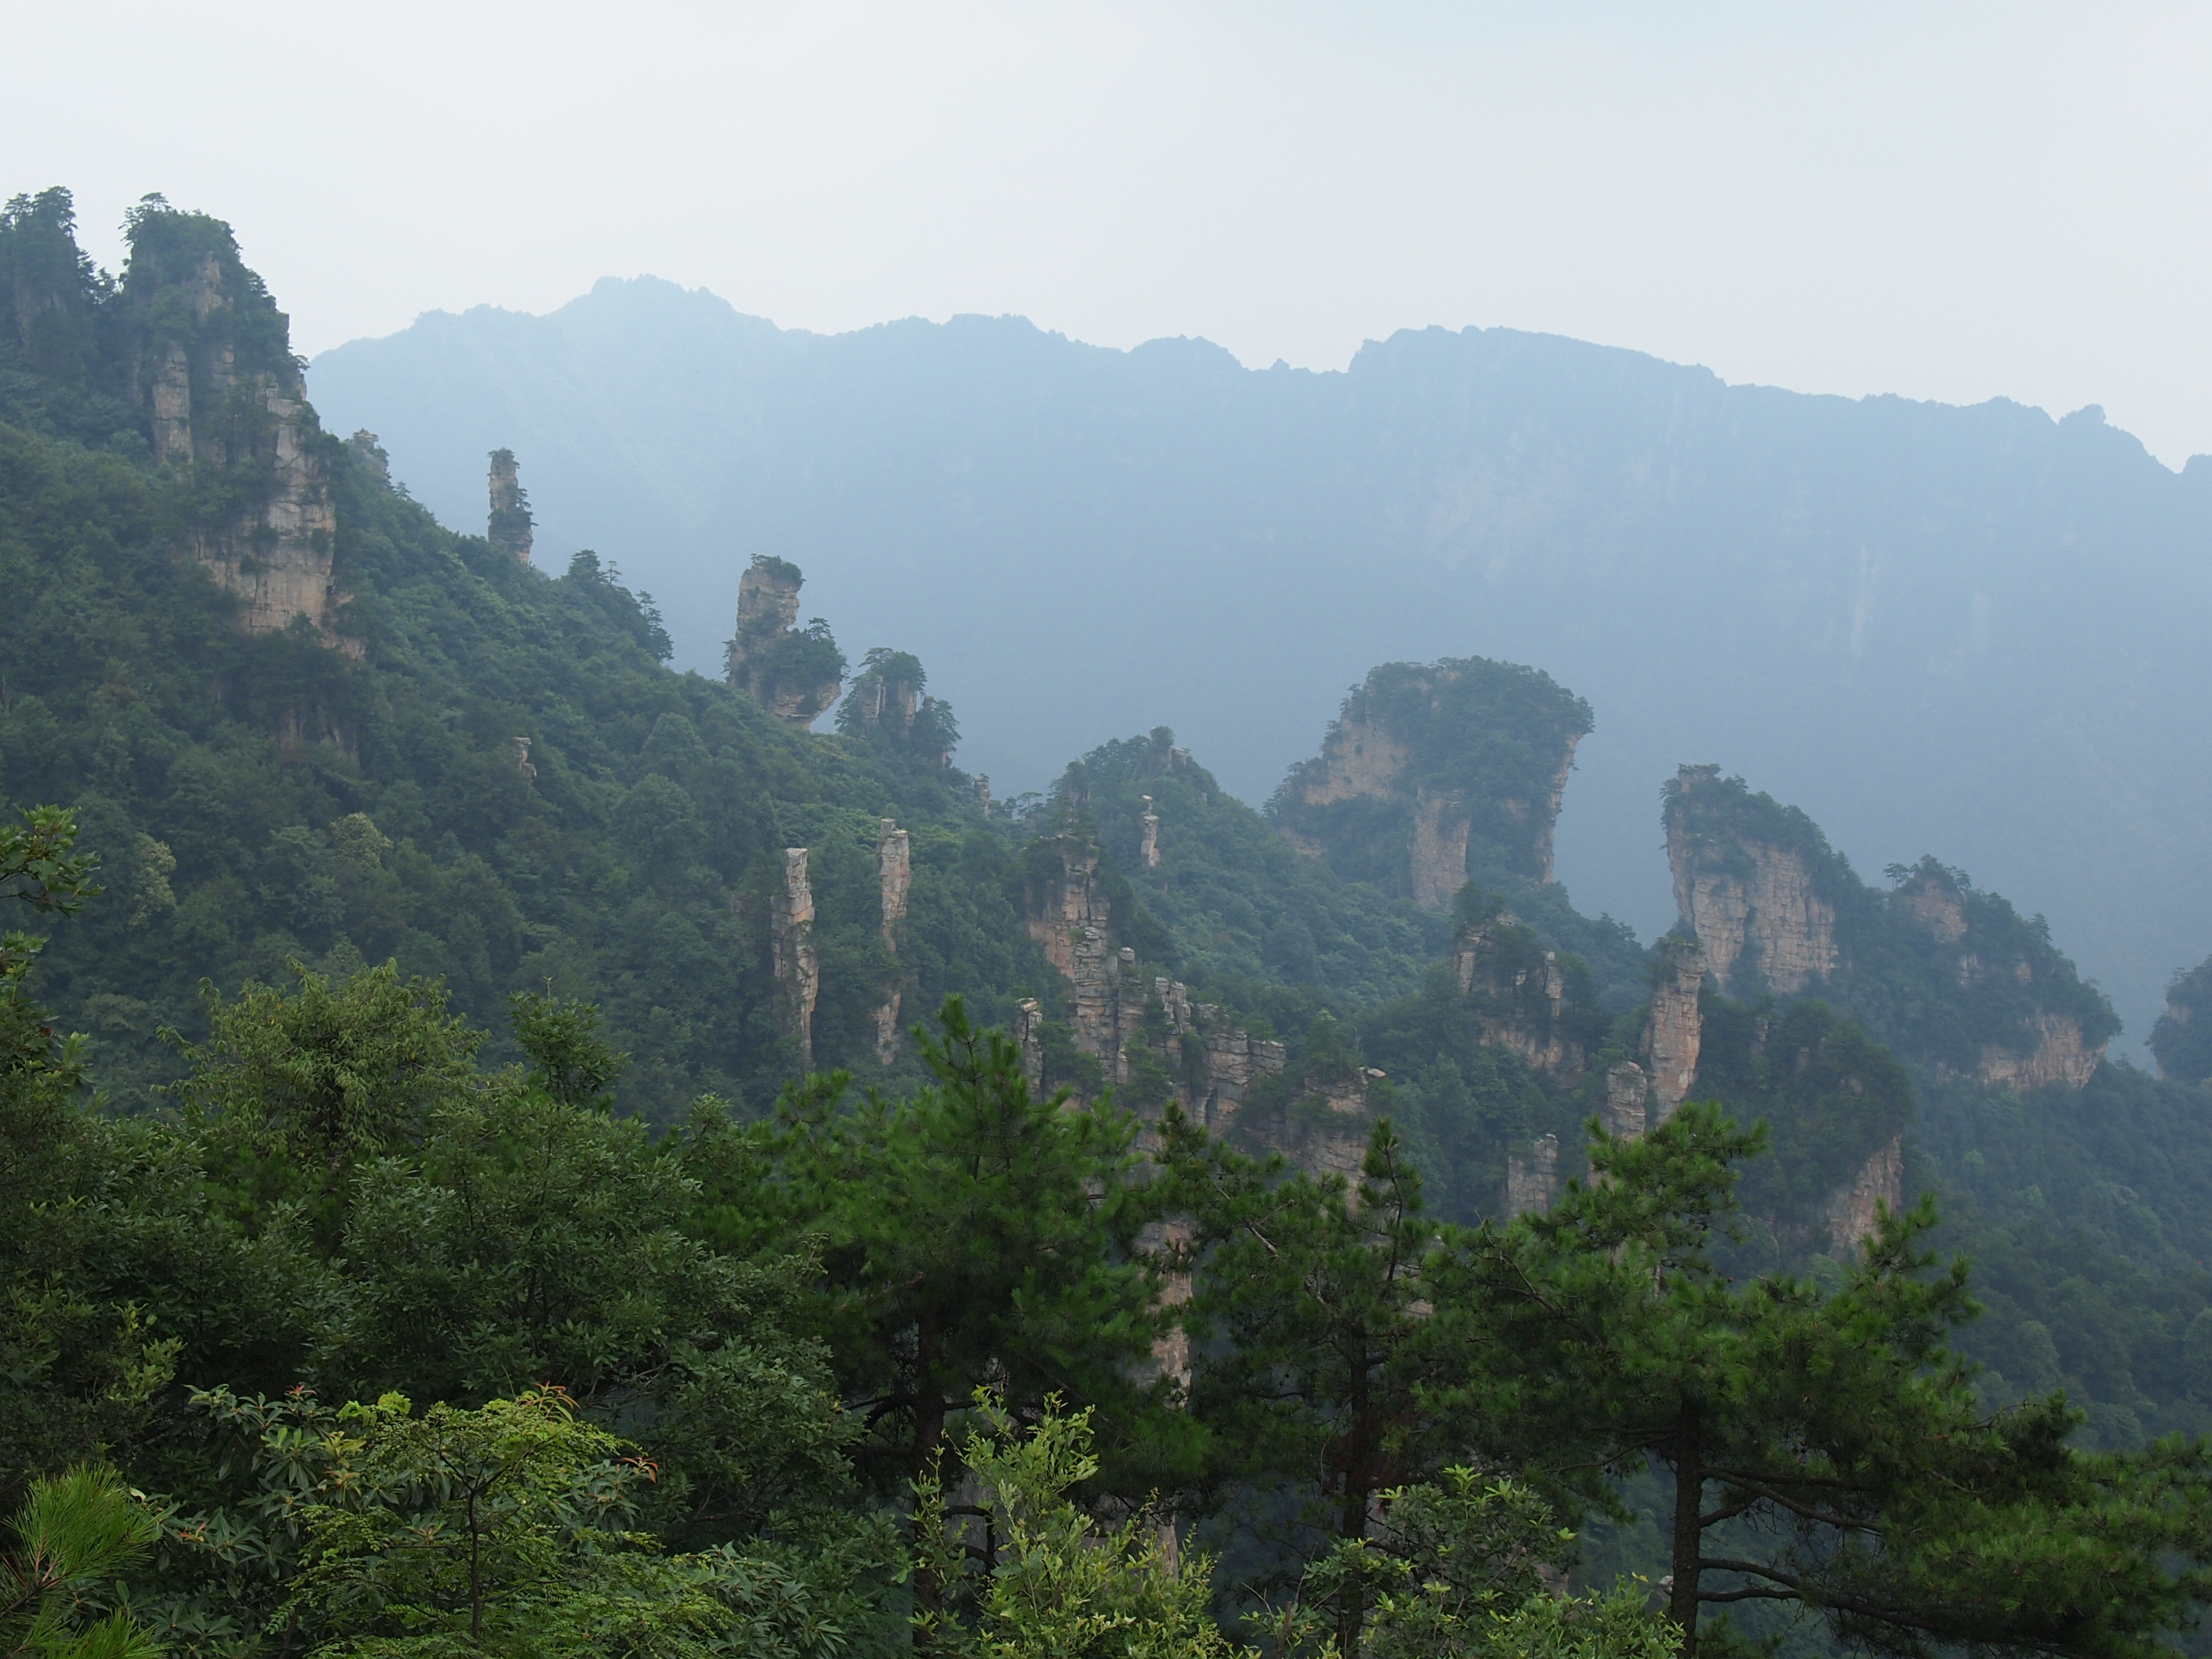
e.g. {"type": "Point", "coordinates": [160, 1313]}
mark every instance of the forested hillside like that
{"type": "Point", "coordinates": [506, 1147]}
{"type": "Point", "coordinates": [1966, 631]}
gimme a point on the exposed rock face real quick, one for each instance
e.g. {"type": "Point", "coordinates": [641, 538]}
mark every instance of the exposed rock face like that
{"type": "Point", "coordinates": [1532, 1178]}
{"type": "Point", "coordinates": [1150, 825]}
{"type": "Point", "coordinates": [222, 394]}
{"type": "Point", "coordinates": [1676, 1032]}
{"type": "Point", "coordinates": [521, 747]}
{"type": "Point", "coordinates": [1936, 905]}
{"type": "Point", "coordinates": [1851, 1218]}
{"type": "Point", "coordinates": [1069, 920]}
{"type": "Point", "coordinates": [798, 969]}
{"type": "Point", "coordinates": [793, 673]}
{"type": "Point", "coordinates": [1029, 1016]}
{"type": "Point", "coordinates": [1437, 858]}
{"type": "Point", "coordinates": [509, 527]}
{"type": "Point", "coordinates": [1468, 758]}
{"type": "Point", "coordinates": [1518, 992]}
{"type": "Point", "coordinates": [1752, 899]}
{"type": "Point", "coordinates": [1626, 1113]}
{"type": "Point", "coordinates": [2060, 1058]}
{"type": "Point", "coordinates": [894, 876]}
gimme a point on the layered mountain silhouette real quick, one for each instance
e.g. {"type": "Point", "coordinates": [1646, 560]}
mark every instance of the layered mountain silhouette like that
{"type": "Point", "coordinates": [1970, 631]}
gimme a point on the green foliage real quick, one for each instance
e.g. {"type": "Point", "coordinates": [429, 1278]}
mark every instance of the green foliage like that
{"type": "Point", "coordinates": [1053, 1585]}
{"type": "Point", "coordinates": [1238, 908]}
{"type": "Point", "coordinates": [510, 1528]}
{"type": "Point", "coordinates": [73, 1532]}
{"type": "Point", "coordinates": [1319, 1354]}
{"type": "Point", "coordinates": [567, 1059]}
{"type": "Point", "coordinates": [971, 1234]}
{"type": "Point", "coordinates": [1828, 1095]}
{"type": "Point", "coordinates": [1850, 1466]}
{"type": "Point", "coordinates": [1459, 1567]}
{"type": "Point", "coordinates": [2182, 1038]}
{"type": "Point", "coordinates": [338, 1074]}
{"type": "Point", "coordinates": [887, 705]}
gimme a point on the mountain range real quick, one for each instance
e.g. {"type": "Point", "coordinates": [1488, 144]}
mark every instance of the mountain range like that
{"type": "Point", "coordinates": [1971, 632]}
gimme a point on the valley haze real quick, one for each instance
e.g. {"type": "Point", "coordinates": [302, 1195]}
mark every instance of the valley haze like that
{"type": "Point", "coordinates": [1973, 632]}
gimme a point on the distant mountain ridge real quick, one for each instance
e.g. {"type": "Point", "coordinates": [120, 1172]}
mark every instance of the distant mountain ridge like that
{"type": "Point", "coordinates": [1973, 633]}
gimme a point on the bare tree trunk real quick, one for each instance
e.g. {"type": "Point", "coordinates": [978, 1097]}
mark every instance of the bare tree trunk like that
{"type": "Point", "coordinates": [1689, 1531]}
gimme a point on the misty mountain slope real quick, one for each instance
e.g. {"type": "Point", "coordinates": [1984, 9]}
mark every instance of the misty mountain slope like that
{"type": "Point", "coordinates": [1968, 632]}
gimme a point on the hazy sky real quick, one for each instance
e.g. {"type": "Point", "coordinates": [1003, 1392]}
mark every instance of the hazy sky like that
{"type": "Point", "coordinates": [1947, 200]}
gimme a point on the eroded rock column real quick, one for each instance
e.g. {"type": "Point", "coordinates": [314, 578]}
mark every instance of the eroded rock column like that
{"type": "Point", "coordinates": [1672, 1038]}
{"type": "Point", "coordinates": [798, 969]}
{"type": "Point", "coordinates": [894, 875]}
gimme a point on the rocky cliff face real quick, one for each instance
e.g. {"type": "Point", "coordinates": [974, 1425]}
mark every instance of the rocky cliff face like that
{"type": "Point", "coordinates": [1626, 1112]}
{"type": "Point", "coordinates": [1435, 772]}
{"type": "Point", "coordinates": [894, 878]}
{"type": "Point", "coordinates": [1676, 1031]}
{"type": "Point", "coordinates": [1749, 885]}
{"type": "Point", "coordinates": [1950, 977]}
{"type": "Point", "coordinates": [1851, 1218]}
{"type": "Point", "coordinates": [798, 969]}
{"type": "Point", "coordinates": [1517, 993]}
{"type": "Point", "coordinates": [223, 397]}
{"type": "Point", "coordinates": [1532, 1178]}
{"type": "Point", "coordinates": [794, 673]}
{"type": "Point", "coordinates": [2032, 1032]}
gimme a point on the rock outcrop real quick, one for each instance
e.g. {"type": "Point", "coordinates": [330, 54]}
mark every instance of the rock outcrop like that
{"type": "Point", "coordinates": [2009, 967]}
{"type": "Point", "coordinates": [509, 526]}
{"type": "Point", "coordinates": [1433, 773]}
{"type": "Point", "coordinates": [1532, 1178]}
{"type": "Point", "coordinates": [1149, 824]}
{"type": "Point", "coordinates": [1626, 1111]}
{"type": "Point", "coordinates": [1851, 1217]}
{"type": "Point", "coordinates": [2060, 1058]}
{"type": "Point", "coordinates": [894, 876]}
{"type": "Point", "coordinates": [1517, 993]}
{"type": "Point", "coordinates": [793, 673]}
{"type": "Point", "coordinates": [1676, 1031]}
{"type": "Point", "coordinates": [798, 969]}
{"type": "Point", "coordinates": [222, 395]}
{"type": "Point", "coordinates": [1749, 884]}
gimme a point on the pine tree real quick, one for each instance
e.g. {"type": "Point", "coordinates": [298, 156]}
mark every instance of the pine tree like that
{"type": "Point", "coordinates": [1826, 1449]}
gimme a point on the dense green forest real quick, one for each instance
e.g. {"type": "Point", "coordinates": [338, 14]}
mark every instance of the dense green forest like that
{"type": "Point", "coordinates": [505, 1147]}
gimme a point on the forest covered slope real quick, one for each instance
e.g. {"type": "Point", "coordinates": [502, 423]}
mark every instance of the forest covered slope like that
{"type": "Point", "coordinates": [482, 1015]}
{"type": "Point", "coordinates": [1972, 632]}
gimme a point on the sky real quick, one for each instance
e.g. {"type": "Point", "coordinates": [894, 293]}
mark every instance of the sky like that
{"type": "Point", "coordinates": [1944, 201]}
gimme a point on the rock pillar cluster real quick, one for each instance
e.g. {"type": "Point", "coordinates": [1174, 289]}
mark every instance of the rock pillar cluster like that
{"type": "Point", "coordinates": [798, 969]}
{"type": "Point", "coordinates": [1676, 1032]}
{"type": "Point", "coordinates": [894, 875]}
